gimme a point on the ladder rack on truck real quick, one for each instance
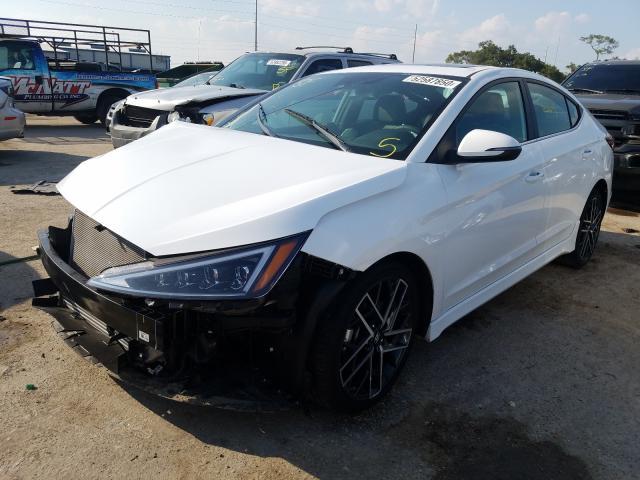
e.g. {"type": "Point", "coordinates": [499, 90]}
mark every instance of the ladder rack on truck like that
{"type": "Point", "coordinates": [59, 35]}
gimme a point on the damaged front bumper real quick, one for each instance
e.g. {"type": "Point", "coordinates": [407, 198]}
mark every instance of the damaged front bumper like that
{"type": "Point", "coordinates": [252, 358]}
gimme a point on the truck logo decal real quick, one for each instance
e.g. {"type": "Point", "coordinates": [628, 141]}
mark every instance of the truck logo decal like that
{"type": "Point", "coordinates": [68, 91]}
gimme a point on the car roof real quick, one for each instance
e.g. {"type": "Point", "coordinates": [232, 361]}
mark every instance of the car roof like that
{"type": "Point", "coordinates": [319, 52]}
{"type": "Point", "coordinates": [446, 69]}
{"type": "Point", "coordinates": [615, 62]}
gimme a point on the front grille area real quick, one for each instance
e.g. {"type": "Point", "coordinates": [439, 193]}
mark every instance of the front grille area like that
{"type": "Point", "coordinates": [609, 114]}
{"type": "Point", "coordinates": [138, 116]}
{"type": "Point", "coordinates": [94, 248]}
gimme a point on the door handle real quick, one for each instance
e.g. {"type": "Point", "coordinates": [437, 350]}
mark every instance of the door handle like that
{"type": "Point", "coordinates": [587, 152]}
{"type": "Point", "coordinates": [534, 177]}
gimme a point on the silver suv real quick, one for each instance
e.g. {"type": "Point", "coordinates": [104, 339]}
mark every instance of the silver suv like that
{"type": "Point", "coordinates": [240, 82]}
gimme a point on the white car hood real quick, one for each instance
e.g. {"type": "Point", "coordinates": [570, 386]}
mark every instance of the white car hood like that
{"type": "Point", "coordinates": [168, 98]}
{"type": "Point", "coordinates": [191, 188]}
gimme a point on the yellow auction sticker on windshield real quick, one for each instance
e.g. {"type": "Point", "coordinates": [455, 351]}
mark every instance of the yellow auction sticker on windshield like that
{"type": "Point", "coordinates": [432, 81]}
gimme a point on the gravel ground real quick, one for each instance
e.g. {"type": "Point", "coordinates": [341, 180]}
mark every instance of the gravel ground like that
{"type": "Point", "coordinates": [541, 383]}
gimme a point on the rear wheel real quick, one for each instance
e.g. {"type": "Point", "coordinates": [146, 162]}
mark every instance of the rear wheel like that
{"type": "Point", "coordinates": [86, 119]}
{"type": "Point", "coordinates": [361, 348]}
{"type": "Point", "coordinates": [589, 230]}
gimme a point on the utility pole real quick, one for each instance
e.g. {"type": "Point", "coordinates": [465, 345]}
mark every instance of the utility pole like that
{"type": "Point", "coordinates": [415, 36]}
{"type": "Point", "coordinates": [255, 45]}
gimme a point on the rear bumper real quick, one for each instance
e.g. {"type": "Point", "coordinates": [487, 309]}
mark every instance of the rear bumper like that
{"type": "Point", "coordinates": [12, 123]}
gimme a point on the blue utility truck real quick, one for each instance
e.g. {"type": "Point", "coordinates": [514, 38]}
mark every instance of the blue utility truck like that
{"type": "Point", "coordinates": [45, 84]}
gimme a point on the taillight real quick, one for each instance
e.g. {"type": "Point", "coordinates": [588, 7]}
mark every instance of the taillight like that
{"type": "Point", "coordinates": [610, 141]}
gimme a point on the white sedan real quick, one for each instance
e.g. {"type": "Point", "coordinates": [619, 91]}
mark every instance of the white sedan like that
{"type": "Point", "coordinates": [321, 230]}
{"type": "Point", "coordinates": [12, 120]}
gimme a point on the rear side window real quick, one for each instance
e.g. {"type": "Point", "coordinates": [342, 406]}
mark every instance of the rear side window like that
{"type": "Point", "coordinates": [323, 65]}
{"type": "Point", "coordinates": [550, 108]}
{"type": "Point", "coordinates": [358, 63]}
{"type": "Point", "coordinates": [500, 108]}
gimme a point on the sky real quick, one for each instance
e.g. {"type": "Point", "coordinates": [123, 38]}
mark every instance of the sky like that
{"type": "Point", "coordinates": [191, 30]}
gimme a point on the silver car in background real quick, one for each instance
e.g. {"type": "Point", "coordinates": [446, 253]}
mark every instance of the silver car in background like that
{"type": "Point", "coordinates": [12, 120]}
{"type": "Point", "coordinates": [244, 80]}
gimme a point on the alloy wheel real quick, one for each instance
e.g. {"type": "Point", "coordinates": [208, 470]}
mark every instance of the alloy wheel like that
{"type": "Point", "coordinates": [376, 339]}
{"type": "Point", "coordinates": [590, 227]}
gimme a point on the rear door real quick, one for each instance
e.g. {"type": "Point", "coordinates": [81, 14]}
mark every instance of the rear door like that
{"type": "Point", "coordinates": [25, 64]}
{"type": "Point", "coordinates": [568, 155]}
{"type": "Point", "coordinates": [496, 209]}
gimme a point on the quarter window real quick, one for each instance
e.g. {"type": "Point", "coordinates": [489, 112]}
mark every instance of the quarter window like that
{"type": "Point", "coordinates": [323, 65]}
{"type": "Point", "coordinates": [500, 109]}
{"type": "Point", "coordinates": [574, 115]}
{"type": "Point", "coordinates": [551, 112]}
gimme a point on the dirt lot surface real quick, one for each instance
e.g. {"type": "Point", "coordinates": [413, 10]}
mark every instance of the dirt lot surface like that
{"type": "Point", "coordinates": [541, 383]}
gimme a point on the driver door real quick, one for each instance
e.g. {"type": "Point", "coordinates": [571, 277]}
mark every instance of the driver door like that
{"type": "Point", "coordinates": [24, 64]}
{"type": "Point", "coordinates": [496, 209]}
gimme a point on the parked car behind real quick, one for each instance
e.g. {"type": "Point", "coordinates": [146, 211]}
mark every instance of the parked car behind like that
{"type": "Point", "coordinates": [236, 85]}
{"type": "Point", "coordinates": [175, 75]}
{"type": "Point", "coordinates": [12, 120]}
{"type": "Point", "coordinates": [611, 92]}
{"type": "Point", "coordinates": [316, 234]}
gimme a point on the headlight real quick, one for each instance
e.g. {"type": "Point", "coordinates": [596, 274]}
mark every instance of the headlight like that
{"type": "Point", "coordinates": [246, 273]}
{"type": "Point", "coordinates": [207, 118]}
{"type": "Point", "coordinates": [177, 116]}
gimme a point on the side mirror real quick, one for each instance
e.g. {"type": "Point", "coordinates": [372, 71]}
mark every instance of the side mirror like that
{"type": "Point", "coordinates": [487, 146]}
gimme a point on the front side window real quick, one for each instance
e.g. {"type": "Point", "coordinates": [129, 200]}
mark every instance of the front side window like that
{"type": "Point", "coordinates": [17, 56]}
{"type": "Point", "coordinates": [550, 108]}
{"type": "Point", "coordinates": [377, 114]}
{"type": "Point", "coordinates": [500, 109]}
{"type": "Point", "coordinates": [323, 65]}
{"type": "Point", "coordinates": [262, 71]}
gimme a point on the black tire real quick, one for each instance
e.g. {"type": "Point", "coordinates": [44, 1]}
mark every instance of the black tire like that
{"type": "Point", "coordinates": [86, 119]}
{"type": "Point", "coordinates": [589, 230]}
{"type": "Point", "coordinates": [104, 104]}
{"type": "Point", "coordinates": [353, 329]}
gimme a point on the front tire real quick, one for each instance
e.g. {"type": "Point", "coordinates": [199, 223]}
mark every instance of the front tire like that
{"type": "Point", "coordinates": [104, 105]}
{"type": "Point", "coordinates": [588, 231]}
{"type": "Point", "coordinates": [86, 119]}
{"type": "Point", "coordinates": [363, 344]}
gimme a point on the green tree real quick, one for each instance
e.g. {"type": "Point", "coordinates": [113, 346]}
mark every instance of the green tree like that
{"type": "Point", "coordinates": [488, 53]}
{"type": "Point", "coordinates": [601, 44]}
{"type": "Point", "coordinates": [572, 67]}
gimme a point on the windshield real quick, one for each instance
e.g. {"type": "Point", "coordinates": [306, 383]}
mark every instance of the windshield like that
{"type": "Point", "coordinates": [197, 79]}
{"type": "Point", "coordinates": [378, 114]}
{"type": "Point", "coordinates": [263, 71]}
{"type": "Point", "coordinates": [606, 78]}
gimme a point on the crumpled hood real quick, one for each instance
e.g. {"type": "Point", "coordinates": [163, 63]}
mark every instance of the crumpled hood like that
{"type": "Point", "coordinates": [609, 101]}
{"type": "Point", "coordinates": [191, 188]}
{"type": "Point", "coordinates": [169, 98]}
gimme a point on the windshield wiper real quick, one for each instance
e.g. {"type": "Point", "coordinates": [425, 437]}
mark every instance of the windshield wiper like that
{"type": "Point", "coordinates": [623, 90]}
{"type": "Point", "coordinates": [322, 130]}
{"type": "Point", "coordinates": [236, 85]}
{"type": "Point", "coordinates": [262, 118]}
{"type": "Point", "coordinates": [585, 90]}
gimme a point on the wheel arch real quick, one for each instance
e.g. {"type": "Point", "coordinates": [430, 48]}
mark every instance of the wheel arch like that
{"type": "Point", "coordinates": [113, 91]}
{"type": "Point", "coordinates": [423, 276]}
{"type": "Point", "coordinates": [603, 187]}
